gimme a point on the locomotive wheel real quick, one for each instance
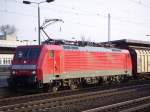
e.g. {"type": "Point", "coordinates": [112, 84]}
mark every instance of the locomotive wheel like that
{"type": "Point", "coordinates": [72, 87]}
{"type": "Point", "coordinates": [55, 89]}
{"type": "Point", "coordinates": [46, 87]}
{"type": "Point", "coordinates": [74, 84]}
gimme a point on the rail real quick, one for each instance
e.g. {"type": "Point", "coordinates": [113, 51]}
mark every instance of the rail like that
{"type": "Point", "coordinates": [142, 103]}
{"type": "Point", "coordinates": [76, 102]}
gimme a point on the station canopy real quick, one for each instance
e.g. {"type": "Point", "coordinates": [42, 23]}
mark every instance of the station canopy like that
{"type": "Point", "coordinates": [128, 43]}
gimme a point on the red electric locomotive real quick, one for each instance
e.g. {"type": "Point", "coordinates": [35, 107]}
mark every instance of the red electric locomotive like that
{"type": "Point", "coordinates": [63, 65]}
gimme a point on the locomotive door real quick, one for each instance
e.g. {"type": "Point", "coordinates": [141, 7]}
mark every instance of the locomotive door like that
{"type": "Point", "coordinates": [52, 62]}
{"type": "Point", "coordinates": [57, 62]}
{"type": "Point", "coordinates": [126, 62]}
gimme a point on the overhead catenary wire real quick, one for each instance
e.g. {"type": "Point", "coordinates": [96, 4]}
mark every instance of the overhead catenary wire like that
{"type": "Point", "coordinates": [77, 12]}
{"type": "Point", "coordinates": [139, 2]}
{"type": "Point", "coordinates": [116, 18]}
{"type": "Point", "coordinates": [18, 13]}
{"type": "Point", "coordinates": [70, 10]}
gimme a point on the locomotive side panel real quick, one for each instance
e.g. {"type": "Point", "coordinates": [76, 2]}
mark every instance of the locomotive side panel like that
{"type": "Point", "coordinates": [90, 64]}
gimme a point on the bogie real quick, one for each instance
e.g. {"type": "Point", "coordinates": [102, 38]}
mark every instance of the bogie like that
{"type": "Point", "coordinates": [78, 83]}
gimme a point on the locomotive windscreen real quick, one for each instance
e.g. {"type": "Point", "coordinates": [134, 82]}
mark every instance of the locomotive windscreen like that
{"type": "Point", "coordinates": [27, 53]}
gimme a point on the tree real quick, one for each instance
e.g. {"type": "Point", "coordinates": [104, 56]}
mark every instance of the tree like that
{"type": "Point", "coordinates": [7, 30]}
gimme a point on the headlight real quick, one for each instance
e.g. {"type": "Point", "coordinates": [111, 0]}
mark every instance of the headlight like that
{"type": "Point", "coordinates": [34, 72]}
{"type": "Point", "coordinates": [13, 72]}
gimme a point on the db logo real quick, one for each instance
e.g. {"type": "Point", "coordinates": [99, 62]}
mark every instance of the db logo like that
{"type": "Point", "coordinates": [24, 62]}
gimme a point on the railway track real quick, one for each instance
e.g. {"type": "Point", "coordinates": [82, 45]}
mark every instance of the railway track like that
{"type": "Point", "coordinates": [136, 105]}
{"type": "Point", "coordinates": [42, 96]}
{"type": "Point", "coordinates": [80, 101]}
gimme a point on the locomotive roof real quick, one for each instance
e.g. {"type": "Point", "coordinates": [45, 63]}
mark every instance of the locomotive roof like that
{"type": "Point", "coordinates": [91, 49]}
{"type": "Point", "coordinates": [78, 48]}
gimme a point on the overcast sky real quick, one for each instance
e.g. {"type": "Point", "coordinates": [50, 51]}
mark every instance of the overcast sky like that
{"type": "Point", "coordinates": [130, 19]}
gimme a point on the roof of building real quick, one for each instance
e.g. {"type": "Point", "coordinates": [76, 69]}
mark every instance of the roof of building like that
{"type": "Point", "coordinates": [129, 42]}
{"type": "Point", "coordinates": [14, 44]}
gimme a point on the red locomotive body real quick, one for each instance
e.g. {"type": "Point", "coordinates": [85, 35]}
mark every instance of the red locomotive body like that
{"type": "Point", "coordinates": [72, 66]}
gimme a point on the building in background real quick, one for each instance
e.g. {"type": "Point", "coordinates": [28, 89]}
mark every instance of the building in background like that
{"type": "Point", "coordinates": [8, 44]}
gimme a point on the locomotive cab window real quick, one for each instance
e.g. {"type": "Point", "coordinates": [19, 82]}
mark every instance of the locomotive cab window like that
{"type": "Point", "coordinates": [51, 54]}
{"type": "Point", "coordinates": [27, 53]}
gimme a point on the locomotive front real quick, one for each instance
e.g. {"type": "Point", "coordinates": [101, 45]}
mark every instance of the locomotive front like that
{"type": "Point", "coordinates": [24, 67]}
